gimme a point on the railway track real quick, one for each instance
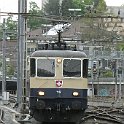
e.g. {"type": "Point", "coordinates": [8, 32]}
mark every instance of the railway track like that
{"type": "Point", "coordinates": [102, 115]}
{"type": "Point", "coordinates": [97, 116]}
{"type": "Point", "coordinates": [93, 115]}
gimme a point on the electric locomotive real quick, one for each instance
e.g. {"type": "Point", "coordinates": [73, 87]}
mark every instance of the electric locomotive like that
{"type": "Point", "coordinates": [58, 85]}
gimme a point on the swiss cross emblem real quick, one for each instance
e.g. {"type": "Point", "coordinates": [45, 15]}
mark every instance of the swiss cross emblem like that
{"type": "Point", "coordinates": [59, 83]}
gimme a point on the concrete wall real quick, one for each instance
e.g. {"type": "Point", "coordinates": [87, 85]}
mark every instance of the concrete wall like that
{"type": "Point", "coordinates": [106, 89]}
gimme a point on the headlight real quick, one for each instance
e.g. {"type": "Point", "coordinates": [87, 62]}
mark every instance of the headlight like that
{"type": "Point", "coordinates": [59, 60]}
{"type": "Point", "coordinates": [75, 94]}
{"type": "Point", "coordinates": [41, 93]}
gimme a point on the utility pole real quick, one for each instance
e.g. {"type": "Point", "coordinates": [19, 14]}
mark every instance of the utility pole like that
{"type": "Point", "coordinates": [22, 74]}
{"type": "Point", "coordinates": [120, 72]}
{"type": "Point", "coordinates": [115, 74]}
{"type": "Point", "coordinates": [91, 52]}
{"type": "Point", "coordinates": [98, 76]}
{"type": "Point", "coordinates": [120, 77]}
{"type": "Point", "coordinates": [19, 77]}
{"type": "Point", "coordinates": [92, 78]}
{"type": "Point", "coordinates": [4, 58]}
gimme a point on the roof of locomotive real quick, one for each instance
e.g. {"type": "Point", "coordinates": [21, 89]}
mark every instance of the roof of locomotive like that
{"type": "Point", "coordinates": [59, 53]}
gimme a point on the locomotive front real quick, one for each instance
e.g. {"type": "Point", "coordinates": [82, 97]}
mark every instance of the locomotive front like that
{"type": "Point", "coordinates": [58, 85]}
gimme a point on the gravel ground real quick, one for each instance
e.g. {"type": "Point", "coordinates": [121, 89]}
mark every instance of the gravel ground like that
{"type": "Point", "coordinates": [8, 117]}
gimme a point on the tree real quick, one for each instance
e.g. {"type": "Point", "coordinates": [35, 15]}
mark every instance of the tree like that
{"type": "Point", "coordinates": [120, 46]}
{"type": "Point", "coordinates": [100, 5]}
{"type": "Point", "coordinates": [67, 4]}
{"type": "Point", "coordinates": [83, 3]}
{"type": "Point", "coordinates": [52, 7]}
{"type": "Point", "coordinates": [91, 5]}
{"type": "Point", "coordinates": [11, 28]}
{"type": "Point", "coordinates": [96, 2]}
{"type": "Point", "coordinates": [10, 70]}
{"type": "Point", "coordinates": [34, 22]}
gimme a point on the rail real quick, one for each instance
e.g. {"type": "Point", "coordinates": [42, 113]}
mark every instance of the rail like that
{"type": "Point", "coordinates": [104, 114]}
{"type": "Point", "coordinates": [104, 98]}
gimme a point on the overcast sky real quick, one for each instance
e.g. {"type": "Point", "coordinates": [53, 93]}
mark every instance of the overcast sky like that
{"type": "Point", "coordinates": [12, 5]}
{"type": "Point", "coordinates": [114, 2]}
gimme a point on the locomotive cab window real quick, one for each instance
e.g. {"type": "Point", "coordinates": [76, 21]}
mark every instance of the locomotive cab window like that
{"type": "Point", "coordinates": [85, 68]}
{"type": "Point", "coordinates": [72, 68]}
{"type": "Point", "coordinates": [46, 67]}
{"type": "Point", "coordinates": [32, 67]}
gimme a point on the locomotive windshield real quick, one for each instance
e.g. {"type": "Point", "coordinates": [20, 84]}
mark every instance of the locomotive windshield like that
{"type": "Point", "coordinates": [46, 67]}
{"type": "Point", "coordinates": [72, 68]}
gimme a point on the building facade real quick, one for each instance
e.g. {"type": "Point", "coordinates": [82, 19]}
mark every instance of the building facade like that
{"type": "Point", "coordinates": [116, 10]}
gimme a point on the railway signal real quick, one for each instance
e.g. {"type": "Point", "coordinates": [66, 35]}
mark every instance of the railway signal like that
{"type": "Point", "coordinates": [94, 68]}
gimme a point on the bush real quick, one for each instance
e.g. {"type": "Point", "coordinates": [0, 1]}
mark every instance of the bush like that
{"type": "Point", "coordinates": [108, 73]}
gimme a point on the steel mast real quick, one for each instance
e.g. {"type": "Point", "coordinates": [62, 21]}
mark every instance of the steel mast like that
{"type": "Point", "coordinates": [21, 72]}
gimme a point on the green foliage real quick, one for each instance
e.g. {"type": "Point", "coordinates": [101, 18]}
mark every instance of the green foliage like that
{"type": "Point", "coordinates": [97, 6]}
{"type": "Point", "coordinates": [34, 7]}
{"type": "Point", "coordinates": [120, 46]}
{"type": "Point", "coordinates": [11, 25]}
{"type": "Point", "coordinates": [34, 22]}
{"type": "Point", "coordinates": [81, 2]}
{"type": "Point", "coordinates": [108, 73]}
{"type": "Point", "coordinates": [67, 4]}
{"type": "Point", "coordinates": [10, 70]}
{"type": "Point", "coordinates": [96, 2]}
{"type": "Point", "coordinates": [11, 28]}
{"type": "Point", "coordinates": [52, 7]}
{"type": "Point", "coordinates": [101, 6]}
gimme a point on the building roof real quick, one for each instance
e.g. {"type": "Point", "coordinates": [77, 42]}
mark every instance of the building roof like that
{"type": "Point", "coordinates": [70, 30]}
{"type": "Point", "coordinates": [10, 45]}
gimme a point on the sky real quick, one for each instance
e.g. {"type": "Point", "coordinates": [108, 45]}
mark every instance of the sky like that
{"type": "Point", "coordinates": [114, 2]}
{"type": "Point", "coordinates": [12, 5]}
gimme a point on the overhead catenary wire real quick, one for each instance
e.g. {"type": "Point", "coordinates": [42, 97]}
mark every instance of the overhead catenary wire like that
{"type": "Point", "coordinates": [67, 18]}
